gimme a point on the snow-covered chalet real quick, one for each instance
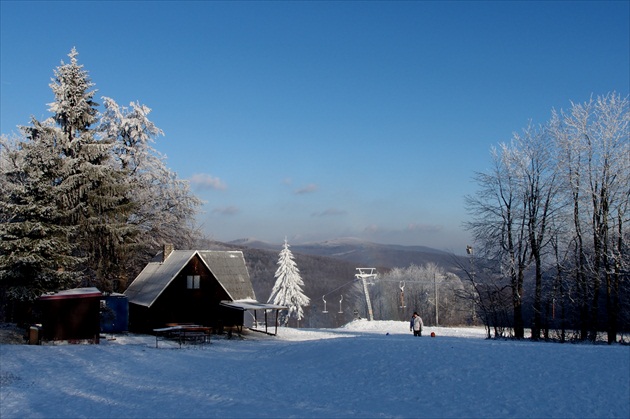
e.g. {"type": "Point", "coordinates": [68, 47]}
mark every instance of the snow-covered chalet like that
{"type": "Point", "coordinates": [204, 287]}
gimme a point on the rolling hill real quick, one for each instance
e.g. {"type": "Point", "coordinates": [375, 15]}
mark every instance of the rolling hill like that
{"type": "Point", "coordinates": [363, 253]}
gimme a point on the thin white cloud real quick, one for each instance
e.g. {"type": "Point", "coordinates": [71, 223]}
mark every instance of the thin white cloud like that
{"type": "Point", "coordinates": [329, 212]}
{"type": "Point", "coordinates": [310, 188]}
{"type": "Point", "coordinates": [206, 181]}
{"type": "Point", "coordinates": [371, 229]}
{"type": "Point", "coordinates": [425, 228]}
{"type": "Point", "coordinates": [229, 210]}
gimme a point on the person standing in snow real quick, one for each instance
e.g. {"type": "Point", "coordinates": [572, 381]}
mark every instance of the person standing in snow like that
{"type": "Point", "coordinates": [416, 324]}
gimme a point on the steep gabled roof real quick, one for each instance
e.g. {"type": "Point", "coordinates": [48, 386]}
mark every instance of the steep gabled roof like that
{"type": "Point", "coordinates": [228, 267]}
{"type": "Point", "coordinates": [156, 276]}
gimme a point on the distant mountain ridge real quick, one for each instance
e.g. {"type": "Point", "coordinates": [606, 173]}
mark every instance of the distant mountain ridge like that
{"type": "Point", "coordinates": [363, 253]}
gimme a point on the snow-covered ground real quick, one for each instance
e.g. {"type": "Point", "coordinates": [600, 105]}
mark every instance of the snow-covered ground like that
{"type": "Point", "coordinates": [363, 370]}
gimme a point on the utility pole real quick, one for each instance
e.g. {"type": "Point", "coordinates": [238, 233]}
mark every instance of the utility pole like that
{"type": "Point", "coordinates": [471, 252]}
{"type": "Point", "coordinates": [436, 299]}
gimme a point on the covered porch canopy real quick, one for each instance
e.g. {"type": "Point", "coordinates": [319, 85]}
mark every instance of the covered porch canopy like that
{"type": "Point", "coordinates": [244, 305]}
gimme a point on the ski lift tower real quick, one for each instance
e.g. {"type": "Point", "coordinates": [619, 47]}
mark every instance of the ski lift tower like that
{"type": "Point", "coordinates": [364, 275]}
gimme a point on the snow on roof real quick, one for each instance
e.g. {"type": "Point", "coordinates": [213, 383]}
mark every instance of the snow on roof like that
{"type": "Point", "coordinates": [156, 276]}
{"type": "Point", "coordinates": [228, 267]}
{"type": "Point", "coordinates": [251, 305]}
{"type": "Point", "coordinates": [73, 293]}
{"type": "Point", "coordinates": [231, 271]}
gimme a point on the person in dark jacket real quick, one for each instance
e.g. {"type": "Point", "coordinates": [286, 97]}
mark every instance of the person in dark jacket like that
{"type": "Point", "coordinates": [416, 324]}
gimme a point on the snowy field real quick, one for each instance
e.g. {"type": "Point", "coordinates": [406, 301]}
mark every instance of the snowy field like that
{"type": "Point", "coordinates": [363, 370]}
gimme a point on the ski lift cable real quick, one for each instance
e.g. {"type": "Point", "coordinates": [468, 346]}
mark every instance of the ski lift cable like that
{"type": "Point", "coordinates": [411, 282]}
{"type": "Point", "coordinates": [380, 280]}
{"type": "Point", "coordinates": [341, 286]}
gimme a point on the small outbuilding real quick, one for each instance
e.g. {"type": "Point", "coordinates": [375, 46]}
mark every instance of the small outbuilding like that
{"type": "Point", "coordinates": [188, 287]}
{"type": "Point", "coordinates": [114, 313]}
{"type": "Point", "coordinates": [71, 315]}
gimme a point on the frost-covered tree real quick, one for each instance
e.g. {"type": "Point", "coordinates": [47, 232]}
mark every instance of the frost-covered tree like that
{"type": "Point", "coordinates": [537, 173]}
{"type": "Point", "coordinates": [95, 194]}
{"type": "Point", "coordinates": [595, 160]}
{"type": "Point", "coordinates": [83, 195]}
{"type": "Point", "coordinates": [36, 251]}
{"type": "Point", "coordinates": [287, 291]}
{"type": "Point", "coordinates": [165, 207]}
{"type": "Point", "coordinates": [74, 109]}
{"type": "Point", "coordinates": [499, 223]}
{"type": "Point", "coordinates": [557, 201]}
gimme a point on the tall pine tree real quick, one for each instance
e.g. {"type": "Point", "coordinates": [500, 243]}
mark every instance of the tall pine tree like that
{"type": "Point", "coordinates": [96, 196]}
{"type": "Point", "coordinates": [287, 291]}
{"type": "Point", "coordinates": [83, 196]}
{"type": "Point", "coordinates": [36, 252]}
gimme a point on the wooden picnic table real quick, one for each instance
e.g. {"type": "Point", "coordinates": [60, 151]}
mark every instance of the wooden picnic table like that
{"type": "Point", "coordinates": [183, 333]}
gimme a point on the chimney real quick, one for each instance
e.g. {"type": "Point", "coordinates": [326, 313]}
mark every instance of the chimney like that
{"type": "Point", "coordinates": [167, 250]}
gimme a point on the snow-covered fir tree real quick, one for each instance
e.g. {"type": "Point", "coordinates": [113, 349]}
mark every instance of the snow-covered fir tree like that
{"type": "Point", "coordinates": [84, 198]}
{"type": "Point", "coordinates": [36, 251]}
{"type": "Point", "coordinates": [287, 290]}
{"type": "Point", "coordinates": [74, 109]}
{"type": "Point", "coordinates": [94, 192]}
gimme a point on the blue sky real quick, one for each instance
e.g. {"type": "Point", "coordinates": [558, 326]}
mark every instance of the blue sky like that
{"type": "Point", "coordinates": [317, 120]}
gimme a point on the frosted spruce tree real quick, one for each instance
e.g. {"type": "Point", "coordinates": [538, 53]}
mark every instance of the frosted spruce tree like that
{"type": "Point", "coordinates": [36, 251]}
{"type": "Point", "coordinates": [84, 198]}
{"type": "Point", "coordinates": [287, 290]}
{"type": "Point", "coordinates": [94, 192]}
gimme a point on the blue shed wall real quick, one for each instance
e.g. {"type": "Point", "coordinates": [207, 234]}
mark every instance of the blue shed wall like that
{"type": "Point", "coordinates": [115, 318]}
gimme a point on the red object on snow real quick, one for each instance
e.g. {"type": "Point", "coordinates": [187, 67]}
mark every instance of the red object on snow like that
{"type": "Point", "coordinates": [432, 334]}
{"type": "Point", "coordinates": [71, 314]}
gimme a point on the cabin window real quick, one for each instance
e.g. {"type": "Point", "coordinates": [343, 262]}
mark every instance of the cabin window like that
{"type": "Point", "coordinates": [193, 282]}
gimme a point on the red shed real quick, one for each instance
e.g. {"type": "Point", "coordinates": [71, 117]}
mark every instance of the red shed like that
{"type": "Point", "coordinates": [71, 315]}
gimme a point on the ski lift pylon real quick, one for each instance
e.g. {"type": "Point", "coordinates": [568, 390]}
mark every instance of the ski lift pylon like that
{"type": "Point", "coordinates": [366, 274]}
{"type": "Point", "coordinates": [340, 310]}
{"type": "Point", "coordinates": [325, 311]}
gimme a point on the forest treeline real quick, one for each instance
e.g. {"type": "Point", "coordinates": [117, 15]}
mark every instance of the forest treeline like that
{"type": "Point", "coordinates": [550, 225]}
